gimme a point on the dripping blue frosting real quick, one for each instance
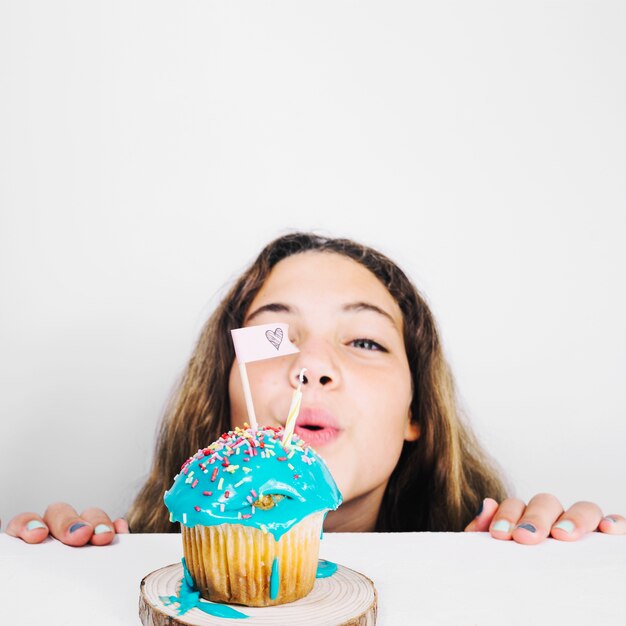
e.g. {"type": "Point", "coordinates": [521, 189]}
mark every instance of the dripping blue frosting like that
{"type": "Point", "coordinates": [325, 569]}
{"type": "Point", "coordinates": [189, 598]}
{"type": "Point", "coordinates": [248, 477]}
{"type": "Point", "coordinates": [275, 579]}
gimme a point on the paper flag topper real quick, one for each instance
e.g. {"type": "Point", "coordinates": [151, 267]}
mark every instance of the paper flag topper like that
{"type": "Point", "coordinates": [265, 341]}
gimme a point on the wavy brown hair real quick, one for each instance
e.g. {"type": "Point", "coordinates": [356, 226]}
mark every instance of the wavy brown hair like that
{"type": "Point", "coordinates": [440, 479]}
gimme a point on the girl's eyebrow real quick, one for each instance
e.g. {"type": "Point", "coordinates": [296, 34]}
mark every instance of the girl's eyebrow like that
{"type": "Point", "coordinates": [366, 306]}
{"type": "Point", "coordinates": [276, 307]}
{"type": "Point", "coordinates": [352, 307]}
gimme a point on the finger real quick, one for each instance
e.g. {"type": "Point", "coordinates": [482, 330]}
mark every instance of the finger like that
{"type": "Point", "coordinates": [537, 520]}
{"type": "Point", "coordinates": [480, 523]}
{"type": "Point", "coordinates": [580, 519]}
{"type": "Point", "coordinates": [29, 527]}
{"type": "Point", "coordinates": [507, 518]}
{"type": "Point", "coordinates": [66, 525]}
{"type": "Point", "coordinates": [103, 528]}
{"type": "Point", "coordinates": [121, 526]}
{"type": "Point", "coordinates": [613, 525]}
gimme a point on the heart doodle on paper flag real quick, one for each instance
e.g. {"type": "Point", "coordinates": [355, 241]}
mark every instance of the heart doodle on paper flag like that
{"type": "Point", "coordinates": [275, 337]}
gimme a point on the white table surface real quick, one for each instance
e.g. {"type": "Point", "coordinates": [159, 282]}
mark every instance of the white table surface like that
{"type": "Point", "coordinates": [421, 578]}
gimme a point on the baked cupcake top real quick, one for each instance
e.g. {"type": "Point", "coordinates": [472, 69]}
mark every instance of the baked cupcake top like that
{"type": "Point", "coordinates": [248, 477]}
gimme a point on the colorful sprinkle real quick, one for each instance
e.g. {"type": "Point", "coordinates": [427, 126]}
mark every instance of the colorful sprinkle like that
{"type": "Point", "coordinates": [245, 444]}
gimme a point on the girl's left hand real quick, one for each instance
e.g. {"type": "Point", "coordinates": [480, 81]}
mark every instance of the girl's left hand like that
{"type": "Point", "coordinates": [543, 516]}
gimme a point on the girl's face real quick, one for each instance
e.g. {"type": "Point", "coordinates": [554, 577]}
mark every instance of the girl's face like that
{"type": "Point", "coordinates": [356, 401]}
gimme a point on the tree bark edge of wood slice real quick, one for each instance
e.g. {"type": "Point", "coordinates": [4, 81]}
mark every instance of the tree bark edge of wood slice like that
{"type": "Point", "coordinates": [347, 598]}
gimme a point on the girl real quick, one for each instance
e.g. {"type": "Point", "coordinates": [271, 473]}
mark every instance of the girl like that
{"type": "Point", "coordinates": [378, 405]}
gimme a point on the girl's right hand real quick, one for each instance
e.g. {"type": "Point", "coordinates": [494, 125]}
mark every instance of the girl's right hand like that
{"type": "Point", "coordinates": [61, 521]}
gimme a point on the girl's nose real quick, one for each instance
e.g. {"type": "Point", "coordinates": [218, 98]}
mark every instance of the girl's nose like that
{"type": "Point", "coordinates": [323, 380]}
{"type": "Point", "coordinates": [319, 364]}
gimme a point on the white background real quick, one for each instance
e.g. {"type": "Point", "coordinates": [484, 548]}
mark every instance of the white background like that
{"type": "Point", "coordinates": [148, 150]}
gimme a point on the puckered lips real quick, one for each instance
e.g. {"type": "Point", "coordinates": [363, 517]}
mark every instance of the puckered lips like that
{"type": "Point", "coordinates": [317, 427]}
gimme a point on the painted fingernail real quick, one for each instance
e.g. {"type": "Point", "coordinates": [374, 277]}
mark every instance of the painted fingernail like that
{"type": "Point", "coordinates": [501, 526]}
{"type": "Point", "coordinates": [608, 518]}
{"type": "Point", "coordinates": [77, 526]}
{"type": "Point", "coordinates": [566, 525]}
{"type": "Point", "coordinates": [34, 525]}
{"type": "Point", "coordinates": [529, 527]}
{"type": "Point", "coordinates": [101, 529]}
{"type": "Point", "coordinates": [480, 510]}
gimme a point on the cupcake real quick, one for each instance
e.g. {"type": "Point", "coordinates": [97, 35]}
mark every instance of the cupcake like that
{"type": "Point", "coordinates": [251, 512]}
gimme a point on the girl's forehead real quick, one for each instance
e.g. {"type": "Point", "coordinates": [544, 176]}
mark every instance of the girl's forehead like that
{"type": "Point", "coordinates": [317, 279]}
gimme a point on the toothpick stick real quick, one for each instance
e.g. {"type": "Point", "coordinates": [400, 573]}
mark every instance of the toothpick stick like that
{"type": "Point", "coordinates": [248, 395]}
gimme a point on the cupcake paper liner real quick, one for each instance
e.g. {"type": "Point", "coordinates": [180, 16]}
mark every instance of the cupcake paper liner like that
{"type": "Point", "coordinates": [233, 563]}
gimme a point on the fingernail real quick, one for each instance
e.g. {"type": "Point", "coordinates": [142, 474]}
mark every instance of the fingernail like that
{"type": "Point", "coordinates": [529, 527]}
{"type": "Point", "coordinates": [480, 510]}
{"type": "Point", "coordinates": [502, 526]}
{"type": "Point", "coordinates": [34, 524]}
{"type": "Point", "coordinates": [566, 525]}
{"type": "Point", "coordinates": [77, 526]}
{"type": "Point", "coordinates": [608, 518]}
{"type": "Point", "coordinates": [101, 529]}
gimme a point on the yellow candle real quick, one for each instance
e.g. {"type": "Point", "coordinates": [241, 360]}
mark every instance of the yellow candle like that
{"type": "Point", "coordinates": [294, 409]}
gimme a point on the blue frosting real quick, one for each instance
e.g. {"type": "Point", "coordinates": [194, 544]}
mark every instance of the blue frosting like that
{"type": "Point", "coordinates": [189, 598]}
{"type": "Point", "coordinates": [245, 471]}
{"type": "Point", "coordinates": [325, 569]}
{"type": "Point", "coordinates": [275, 579]}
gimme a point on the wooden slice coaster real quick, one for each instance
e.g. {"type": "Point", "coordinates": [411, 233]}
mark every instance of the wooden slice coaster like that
{"type": "Point", "coordinates": [346, 597]}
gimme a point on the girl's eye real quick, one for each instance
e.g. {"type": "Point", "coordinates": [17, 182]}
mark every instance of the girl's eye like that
{"type": "Point", "coordinates": [367, 344]}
